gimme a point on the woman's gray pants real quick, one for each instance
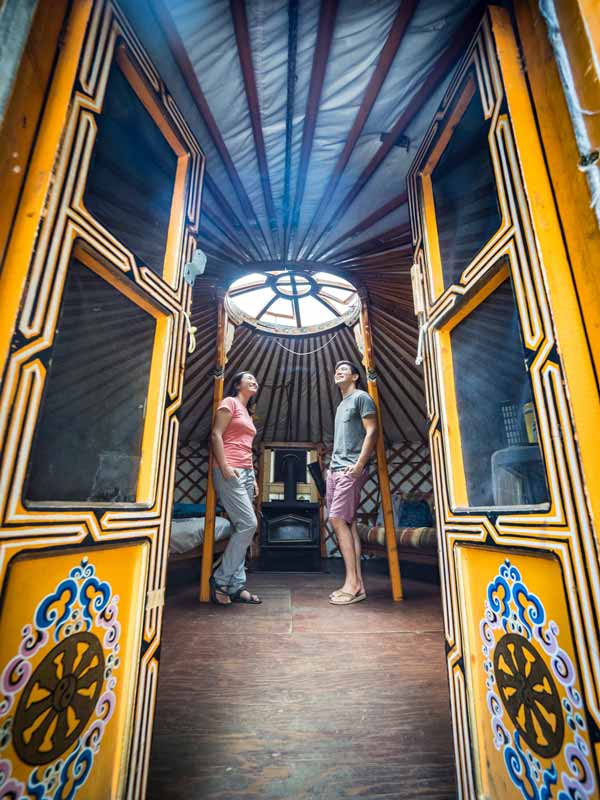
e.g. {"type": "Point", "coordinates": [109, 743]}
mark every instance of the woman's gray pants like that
{"type": "Point", "coordinates": [236, 498]}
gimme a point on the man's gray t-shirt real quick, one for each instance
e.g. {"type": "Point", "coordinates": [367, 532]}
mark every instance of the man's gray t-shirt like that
{"type": "Point", "coordinates": [349, 433]}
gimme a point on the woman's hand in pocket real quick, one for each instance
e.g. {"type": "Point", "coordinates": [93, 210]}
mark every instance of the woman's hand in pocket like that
{"type": "Point", "coordinates": [229, 473]}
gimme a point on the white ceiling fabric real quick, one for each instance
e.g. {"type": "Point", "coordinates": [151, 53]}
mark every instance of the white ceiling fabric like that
{"type": "Point", "coordinates": [303, 396]}
{"type": "Point", "coordinates": [361, 29]}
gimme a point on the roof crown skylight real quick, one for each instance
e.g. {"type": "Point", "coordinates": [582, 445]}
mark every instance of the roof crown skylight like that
{"type": "Point", "coordinates": [293, 301]}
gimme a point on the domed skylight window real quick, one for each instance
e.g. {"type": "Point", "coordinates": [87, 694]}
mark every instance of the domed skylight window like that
{"type": "Point", "coordinates": [293, 301]}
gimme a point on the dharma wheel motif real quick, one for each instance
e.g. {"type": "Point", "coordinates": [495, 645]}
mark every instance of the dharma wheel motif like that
{"type": "Point", "coordinates": [528, 692]}
{"type": "Point", "coordinates": [59, 699]}
{"type": "Point", "coordinates": [537, 714]}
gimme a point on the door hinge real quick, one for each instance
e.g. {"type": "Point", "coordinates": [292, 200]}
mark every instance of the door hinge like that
{"type": "Point", "coordinates": [416, 277]}
{"type": "Point", "coordinates": [155, 598]}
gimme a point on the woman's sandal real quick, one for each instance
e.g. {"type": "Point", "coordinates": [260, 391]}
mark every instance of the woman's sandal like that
{"type": "Point", "coordinates": [253, 600]}
{"type": "Point", "coordinates": [213, 593]}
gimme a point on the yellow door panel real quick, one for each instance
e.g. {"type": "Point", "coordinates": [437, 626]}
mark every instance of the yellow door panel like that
{"type": "Point", "coordinates": [525, 695]}
{"type": "Point", "coordinates": [92, 372]}
{"type": "Point", "coordinates": [510, 406]}
{"type": "Point", "coordinates": [71, 629]}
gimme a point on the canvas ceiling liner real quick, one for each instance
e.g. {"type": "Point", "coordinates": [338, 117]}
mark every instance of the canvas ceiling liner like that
{"type": "Point", "coordinates": [360, 31]}
{"type": "Point", "coordinates": [307, 172]}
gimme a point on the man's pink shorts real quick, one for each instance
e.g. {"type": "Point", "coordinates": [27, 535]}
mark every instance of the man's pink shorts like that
{"type": "Point", "coordinates": [343, 494]}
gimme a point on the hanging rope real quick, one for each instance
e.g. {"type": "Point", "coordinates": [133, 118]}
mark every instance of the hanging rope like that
{"type": "Point", "coordinates": [420, 343]}
{"type": "Point", "coordinates": [191, 329]}
{"type": "Point", "coordinates": [309, 352]}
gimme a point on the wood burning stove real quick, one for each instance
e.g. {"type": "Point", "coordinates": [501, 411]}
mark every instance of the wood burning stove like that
{"type": "Point", "coordinates": [290, 531]}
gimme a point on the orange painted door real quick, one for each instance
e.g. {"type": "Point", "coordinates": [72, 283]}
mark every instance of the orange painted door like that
{"type": "Point", "coordinates": [510, 404]}
{"type": "Point", "coordinates": [92, 350]}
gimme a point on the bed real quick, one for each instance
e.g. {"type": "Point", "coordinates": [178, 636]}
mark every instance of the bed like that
{"type": "Point", "coordinates": [416, 535]}
{"type": "Point", "coordinates": [187, 532]}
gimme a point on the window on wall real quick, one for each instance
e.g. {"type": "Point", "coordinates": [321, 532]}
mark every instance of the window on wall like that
{"type": "Point", "coordinates": [88, 441]}
{"type": "Point", "coordinates": [502, 459]}
{"type": "Point", "coordinates": [464, 191]}
{"type": "Point", "coordinates": [132, 174]}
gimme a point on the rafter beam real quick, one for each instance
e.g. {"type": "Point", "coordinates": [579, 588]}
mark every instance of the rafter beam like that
{"type": "Point", "coordinates": [182, 59]}
{"type": "Point", "coordinates": [268, 266]}
{"type": "Point", "coordinates": [227, 230]}
{"type": "Point", "coordinates": [437, 73]}
{"type": "Point", "coordinates": [386, 58]}
{"type": "Point", "coordinates": [392, 205]}
{"type": "Point", "coordinates": [386, 261]}
{"type": "Point", "coordinates": [398, 248]}
{"type": "Point", "coordinates": [325, 30]}
{"type": "Point", "coordinates": [242, 37]}
{"type": "Point", "coordinates": [214, 255]}
{"type": "Point", "coordinates": [221, 248]}
{"type": "Point", "coordinates": [289, 115]}
{"type": "Point", "coordinates": [400, 234]}
{"type": "Point", "coordinates": [230, 214]}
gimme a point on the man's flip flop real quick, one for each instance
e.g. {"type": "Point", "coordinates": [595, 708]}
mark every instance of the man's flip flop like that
{"type": "Point", "coordinates": [236, 597]}
{"type": "Point", "coordinates": [360, 595]}
{"type": "Point", "coordinates": [346, 598]}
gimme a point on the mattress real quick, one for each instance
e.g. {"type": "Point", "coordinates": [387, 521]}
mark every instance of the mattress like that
{"type": "Point", "coordinates": [188, 533]}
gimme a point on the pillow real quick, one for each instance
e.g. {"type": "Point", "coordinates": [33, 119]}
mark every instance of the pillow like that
{"type": "Point", "coordinates": [189, 509]}
{"type": "Point", "coordinates": [414, 514]}
{"type": "Point", "coordinates": [187, 533]}
{"type": "Point", "coordinates": [396, 507]}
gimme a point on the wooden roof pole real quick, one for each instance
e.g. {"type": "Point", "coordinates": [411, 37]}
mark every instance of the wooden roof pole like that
{"type": "Point", "coordinates": [164, 18]}
{"type": "Point", "coordinates": [382, 467]}
{"type": "Point", "coordinates": [242, 38]}
{"type": "Point", "coordinates": [255, 544]}
{"type": "Point", "coordinates": [322, 522]}
{"type": "Point", "coordinates": [211, 497]}
{"type": "Point", "coordinates": [376, 81]}
{"type": "Point", "coordinates": [380, 213]}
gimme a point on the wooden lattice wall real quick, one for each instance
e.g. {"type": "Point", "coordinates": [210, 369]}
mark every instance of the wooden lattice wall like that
{"type": "Point", "coordinates": [409, 467]}
{"type": "Point", "coordinates": [191, 473]}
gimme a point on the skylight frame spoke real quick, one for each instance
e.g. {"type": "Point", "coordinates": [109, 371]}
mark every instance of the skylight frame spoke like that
{"type": "Point", "coordinates": [339, 300]}
{"type": "Point", "coordinates": [295, 303]}
{"type": "Point", "coordinates": [267, 306]}
{"type": "Point", "coordinates": [327, 305]}
{"type": "Point", "coordinates": [253, 287]}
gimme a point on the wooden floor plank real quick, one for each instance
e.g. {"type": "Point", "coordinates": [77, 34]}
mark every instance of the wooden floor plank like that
{"type": "Point", "coordinates": [299, 699]}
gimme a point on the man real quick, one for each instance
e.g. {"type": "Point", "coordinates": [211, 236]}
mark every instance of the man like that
{"type": "Point", "coordinates": [354, 441]}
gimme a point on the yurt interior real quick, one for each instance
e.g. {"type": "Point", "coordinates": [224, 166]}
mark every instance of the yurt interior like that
{"type": "Point", "coordinates": [193, 189]}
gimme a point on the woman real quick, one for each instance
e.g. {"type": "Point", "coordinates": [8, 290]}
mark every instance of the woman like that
{"type": "Point", "coordinates": [232, 436]}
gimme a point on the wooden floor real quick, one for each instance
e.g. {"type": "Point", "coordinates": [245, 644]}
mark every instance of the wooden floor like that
{"type": "Point", "coordinates": [300, 699]}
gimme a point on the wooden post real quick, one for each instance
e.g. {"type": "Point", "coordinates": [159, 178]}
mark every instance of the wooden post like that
{"type": "Point", "coordinates": [255, 546]}
{"type": "Point", "coordinates": [211, 498]}
{"type": "Point", "coordinates": [323, 540]}
{"type": "Point", "coordinates": [382, 468]}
